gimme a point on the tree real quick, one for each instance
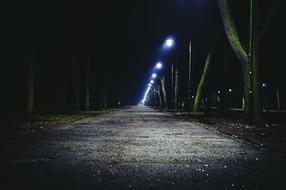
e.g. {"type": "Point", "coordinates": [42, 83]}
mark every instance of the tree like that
{"type": "Point", "coordinates": [202, 83]}
{"type": "Point", "coordinates": [259, 30]}
{"type": "Point", "coordinates": [164, 91]}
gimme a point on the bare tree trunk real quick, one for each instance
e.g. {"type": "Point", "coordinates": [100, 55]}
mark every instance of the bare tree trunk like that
{"type": "Point", "coordinates": [159, 95]}
{"type": "Point", "coordinates": [202, 83]}
{"type": "Point", "coordinates": [105, 93]}
{"type": "Point", "coordinates": [172, 86]}
{"type": "Point", "coordinates": [235, 43]}
{"type": "Point", "coordinates": [176, 89]}
{"type": "Point", "coordinates": [278, 99]}
{"type": "Point", "coordinates": [164, 91]}
{"type": "Point", "coordinates": [231, 32]}
{"type": "Point", "coordinates": [29, 81]}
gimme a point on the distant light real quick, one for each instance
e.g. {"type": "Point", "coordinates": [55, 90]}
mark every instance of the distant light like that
{"type": "Point", "coordinates": [154, 75]}
{"type": "Point", "coordinates": [264, 85]}
{"type": "Point", "coordinates": [169, 42]}
{"type": "Point", "coordinates": [218, 91]}
{"type": "Point", "coordinates": [152, 81]}
{"type": "Point", "coordinates": [159, 65]}
{"type": "Point", "coordinates": [230, 90]}
{"type": "Point", "coordinates": [149, 85]}
{"type": "Point", "coordinates": [193, 96]}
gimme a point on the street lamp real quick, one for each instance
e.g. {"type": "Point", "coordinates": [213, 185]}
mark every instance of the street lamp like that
{"type": "Point", "coordinates": [264, 85]}
{"type": "Point", "coordinates": [159, 65]}
{"type": "Point", "coordinates": [169, 42]}
{"type": "Point", "coordinates": [154, 75]}
{"type": "Point", "coordinates": [152, 82]}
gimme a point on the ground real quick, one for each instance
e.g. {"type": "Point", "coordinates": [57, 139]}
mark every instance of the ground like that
{"type": "Point", "coordinates": [134, 148]}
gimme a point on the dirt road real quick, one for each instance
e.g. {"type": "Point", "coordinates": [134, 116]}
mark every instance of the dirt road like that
{"type": "Point", "coordinates": [134, 148]}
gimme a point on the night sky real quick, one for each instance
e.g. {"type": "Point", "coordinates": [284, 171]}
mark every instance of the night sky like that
{"type": "Point", "coordinates": [134, 31]}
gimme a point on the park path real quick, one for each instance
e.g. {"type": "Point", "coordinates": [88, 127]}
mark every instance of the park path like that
{"type": "Point", "coordinates": [135, 148]}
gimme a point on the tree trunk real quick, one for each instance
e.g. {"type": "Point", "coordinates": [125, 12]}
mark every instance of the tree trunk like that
{"type": "Point", "coordinates": [202, 83]}
{"type": "Point", "coordinates": [29, 82]}
{"type": "Point", "coordinates": [278, 99]}
{"type": "Point", "coordinates": [164, 91]}
{"type": "Point", "coordinates": [231, 32]}
{"type": "Point", "coordinates": [105, 93]}
{"type": "Point", "coordinates": [172, 87]}
{"type": "Point", "coordinates": [235, 43]}
{"type": "Point", "coordinates": [176, 89]}
{"type": "Point", "coordinates": [159, 95]}
{"type": "Point", "coordinates": [257, 101]}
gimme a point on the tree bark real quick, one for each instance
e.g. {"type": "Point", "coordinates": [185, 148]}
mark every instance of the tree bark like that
{"type": "Point", "coordinates": [231, 31]}
{"type": "Point", "coordinates": [164, 91]}
{"type": "Point", "coordinates": [176, 88]}
{"type": "Point", "coordinates": [160, 98]}
{"type": "Point", "coordinates": [278, 99]}
{"type": "Point", "coordinates": [235, 43]}
{"type": "Point", "coordinates": [202, 83]}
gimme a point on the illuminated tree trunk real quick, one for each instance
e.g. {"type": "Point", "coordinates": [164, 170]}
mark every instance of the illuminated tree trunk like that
{"type": "Point", "coordinates": [157, 89]}
{"type": "Point", "coordinates": [235, 43]}
{"type": "Point", "coordinates": [202, 83]}
{"type": "Point", "coordinates": [164, 91]}
{"type": "Point", "coordinates": [160, 98]}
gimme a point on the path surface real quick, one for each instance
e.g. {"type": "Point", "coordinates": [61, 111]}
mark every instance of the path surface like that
{"type": "Point", "coordinates": [135, 148]}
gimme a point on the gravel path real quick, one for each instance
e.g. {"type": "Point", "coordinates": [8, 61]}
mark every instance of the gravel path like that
{"type": "Point", "coordinates": [134, 148]}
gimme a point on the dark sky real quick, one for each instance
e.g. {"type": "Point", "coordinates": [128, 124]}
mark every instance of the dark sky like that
{"type": "Point", "coordinates": [124, 39]}
{"type": "Point", "coordinates": [130, 34]}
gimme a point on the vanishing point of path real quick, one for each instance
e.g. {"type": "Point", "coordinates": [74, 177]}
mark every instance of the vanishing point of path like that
{"type": "Point", "coordinates": [134, 148]}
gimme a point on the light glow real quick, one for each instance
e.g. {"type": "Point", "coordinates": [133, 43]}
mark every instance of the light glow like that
{"type": "Point", "coordinates": [159, 65]}
{"type": "Point", "coordinates": [169, 42]}
{"type": "Point", "coordinates": [154, 75]}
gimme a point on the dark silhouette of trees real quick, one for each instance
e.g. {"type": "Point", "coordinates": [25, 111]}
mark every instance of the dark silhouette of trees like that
{"type": "Point", "coordinates": [259, 31]}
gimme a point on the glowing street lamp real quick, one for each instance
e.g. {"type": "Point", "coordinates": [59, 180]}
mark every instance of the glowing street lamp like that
{"type": "Point", "coordinates": [159, 65]}
{"type": "Point", "coordinates": [152, 82]}
{"type": "Point", "coordinates": [169, 42]}
{"type": "Point", "coordinates": [154, 75]}
{"type": "Point", "coordinates": [264, 85]}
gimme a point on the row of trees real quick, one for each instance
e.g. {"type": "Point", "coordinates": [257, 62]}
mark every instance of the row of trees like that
{"type": "Point", "coordinates": [248, 52]}
{"type": "Point", "coordinates": [52, 63]}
